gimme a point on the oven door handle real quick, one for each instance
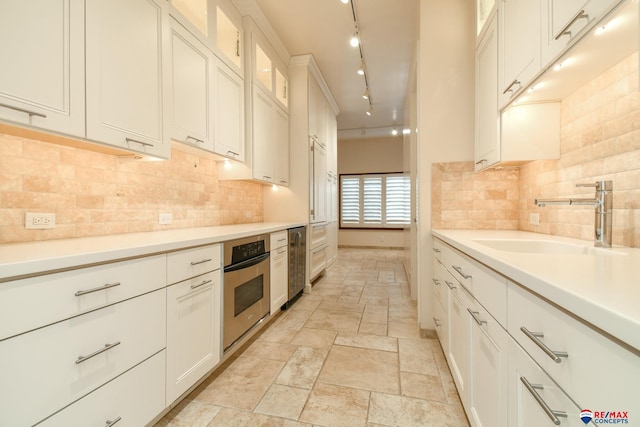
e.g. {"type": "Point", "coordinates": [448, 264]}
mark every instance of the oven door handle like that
{"type": "Point", "coordinates": [247, 263]}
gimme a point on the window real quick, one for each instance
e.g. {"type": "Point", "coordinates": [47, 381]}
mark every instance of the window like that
{"type": "Point", "coordinates": [375, 201]}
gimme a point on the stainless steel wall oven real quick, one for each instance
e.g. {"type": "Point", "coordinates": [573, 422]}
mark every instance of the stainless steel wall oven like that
{"type": "Point", "coordinates": [246, 286]}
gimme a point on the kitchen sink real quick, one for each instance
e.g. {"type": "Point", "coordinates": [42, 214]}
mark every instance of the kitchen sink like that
{"type": "Point", "coordinates": [551, 247]}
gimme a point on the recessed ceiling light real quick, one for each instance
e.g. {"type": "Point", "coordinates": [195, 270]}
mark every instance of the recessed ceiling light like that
{"type": "Point", "coordinates": [394, 131]}
{"type": "Point", "coordinates": [344, 1]}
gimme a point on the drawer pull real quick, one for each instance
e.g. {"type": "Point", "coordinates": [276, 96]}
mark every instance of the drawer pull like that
{"type": "Point", "coordinates": [437, 322]}
{"type": "Point", "coordinates": [200, 262]}
{"type": "Point", "coordinates": [436, 282]}
{"type": "Point", "coordinates": [436, 250]}
{"type": "Point", "coordinates": [553, 415]}
{"type": "Point", "coordinates": [565, 31]}
{"type": "Point", "coordinates": [144, 144]}
{"type": "Point", "coordinates": [459, 270]}
{"type": "Point", "coordinates": [97, 352]}
{"type": "Point", "coordinates": [282, 251]}
{"type": "Point", "coordinates": [535, 337]}
{"type": "Point", "coordinates": [450, 285]}
{"type": "Point", "coordinates": [476, 317]}
{"type": "Point", "coordinates": [99, 288]}
{"type": "Point", "coordinates": [22, 110]}
{"type": "Point", "coordinates": [109, 423]}
{"type": "Point", "coordinates": [204, 282]}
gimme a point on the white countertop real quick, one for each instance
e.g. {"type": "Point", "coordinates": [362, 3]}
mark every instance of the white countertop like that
{"type": "Point", "coordinates": [601, 287]}
{"type": "Point", "coordinates": [32, 258]}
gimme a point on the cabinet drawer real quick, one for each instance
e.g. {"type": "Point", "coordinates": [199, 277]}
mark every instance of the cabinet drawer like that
{"type": "Point", "coordinates": [134, 398]}
{"type": "Point", "coordinates": [523, 408]}
{"type": "Point", "coordinates": [279, 239]}
{"type": "Point", "coordinates": [318, 235]}
{"type": "Point", "coordinates": [438, 248]}
{"type": "Point", "coordinates": [441, 322]}
{"type": "Point", "coordinates": [441, 280]}
{"type": "Point", "coordinates": [592, 359]}
{"type": "Point", "coordinates": [318, 261]}
{"type": "Point", "coordinates": [42, 370]}
{"type": "Point", "coordinates": [485, 285]}
{"type": "Point", "coordinates": [192, 262]}
{"type": "Point", "coordinates": [39, 301]}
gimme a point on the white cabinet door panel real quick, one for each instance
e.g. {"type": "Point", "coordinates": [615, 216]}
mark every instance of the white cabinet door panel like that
{"type": "Point", "coordinates": [127, 49]}
{"type": "Point", "coordinates": [42, 70]}
{"type": "Point", "coordinates": [229, 111]}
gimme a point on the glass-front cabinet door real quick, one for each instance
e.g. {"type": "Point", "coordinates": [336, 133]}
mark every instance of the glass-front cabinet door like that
{"type": "Point", "coordinates": [263, 68]}
{"type": "Point", "coordinates": [483, 10]}
{"type": "Point", "coordinates": [282, 89]}
{"type": "Point", "coordinates": [217, 23]}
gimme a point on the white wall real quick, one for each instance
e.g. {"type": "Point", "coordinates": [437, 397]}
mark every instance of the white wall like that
{"type": "Point", "coordinates": [370, 155]}
{"type": "Point", "coordinates": [445, 114]}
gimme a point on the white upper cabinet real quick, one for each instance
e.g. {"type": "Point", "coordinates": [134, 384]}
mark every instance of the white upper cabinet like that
{"type": "Point", "coordinates": [229, 112]}
{"type": "Point", "coordinates": [519, 46]}
{"type": "Point", "coordinates": [42, 72]}
{"type": "Point", "coordinates": [263, 129]}
{"type": "Point", "coordinates": [487, 138]}
{"type": "Point", "coordinates": [281, 138]}
{"type": "Point", "coordinates": [192, 83]}
{"type": "Point", "coordinates": [127, 58]}
{"type": "Point", "coordinates": [282, 89]}
{"type": "Point", "coordinates": [564, 22]}
{"type": "Point", "coordinates": [216, 23]}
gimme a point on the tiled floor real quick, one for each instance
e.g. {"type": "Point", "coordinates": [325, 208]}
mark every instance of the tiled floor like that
{"type": "Point", "coordinates": [347, 354]}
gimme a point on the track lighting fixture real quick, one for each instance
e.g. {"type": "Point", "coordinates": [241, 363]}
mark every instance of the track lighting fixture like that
{"type": "Point", "coordinates": [360, 70]}
{"type": "Point", "coordinates": [365, 95]}
{"type": "Point", "coordinates": [355, 40]}
{"type": "Point", "coordinates": [370, 111]}
{"type": "Point", "coordinates": [344, 1]}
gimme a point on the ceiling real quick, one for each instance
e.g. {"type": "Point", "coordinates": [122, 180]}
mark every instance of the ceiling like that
{"type": "Point", "coordinates": [388, 32]}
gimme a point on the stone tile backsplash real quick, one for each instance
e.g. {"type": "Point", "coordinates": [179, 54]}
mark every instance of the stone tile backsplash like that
{"type": "Point", "coordinates": [600, 140]}
{"type": "Point", "coordinates": [93, 194]}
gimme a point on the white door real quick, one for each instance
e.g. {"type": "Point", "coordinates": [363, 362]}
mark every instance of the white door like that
{"type": "Point", "coordinates": [42, 71]}
{"type": "Point", "coordinates": [127, 56]}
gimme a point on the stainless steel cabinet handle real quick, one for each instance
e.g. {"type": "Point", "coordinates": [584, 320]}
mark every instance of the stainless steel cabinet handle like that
{"type": "Point", "coordinates": [481, 161]}
{"type": "Point", "coordinates": [565, 31]}
{"type": "Point", "coordinates": [197, 141]}
{"type": "Point", "coordinates": [22, 110]}
{"type": "Point", "coordinates": [317, 251]}
{"type": "Point", "coordinates": [109, 423]}
{"type": "Point", "coordinates": [232, 153]}
{"type": "Point", "coordinates": [200, 262]}
{"type": "Point", "coordinates": [204, 282]}
{"type": "Point", "coordinates": [238, 44]}
{"type": "Point", "coordinates": [146, 144]}
{"type": "Point", "coordinates": [436, 282]}
{"type": "Point", "coordinates": [437, 322]}
{"type": "Point", "coordinates": [459, 270]}
{"type": "Point", "coordinates": [476, 317]}
{"type": "Point", "coordinates": [436, 250]}
{"type": "Point", "coordinates": [513, 83]}
{"type": "Point", "coordinates": [266, 177]}
{"type": "Point", "coordinates": [450, 285]}
{"type": "Point", "coordinates": [97, 352]}
{"type": "Point", "coordinates": [535, 337]}
{"type": "Point", "coordinates": [553, 415]}
{"type": "Point", "coordinates": [281, 251]}
{"type": "Point", "coordinates": [99, 288]}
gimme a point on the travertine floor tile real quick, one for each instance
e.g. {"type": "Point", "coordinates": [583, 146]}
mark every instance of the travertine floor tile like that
{"type": "Point", "coordinates": [262, 349]}
{"type": "Point", "coordinates": [190, 413]}
{"type": "Point", "coordinates": [358, 308]}
{"type": "Point", "coordinates": [303, 367]}
{"type": "Point", "coordinates": [391, 410]}
{"type": "Point", "coordinates": [335, 320]}
{"type": "Point", "coordinates": [242, 384]}
{"type": "Point", "coordinates": [336, 406]}
{"type": "Point", "coordinates": [373, 342]}
{"type": "Point", "coordinates": [283, 401]}
{"type": "Point", "coordinates": [421, 386]}
{"type": "Point", "coordinates": [375, 314]}
{"type": "Point", "coordinates": [234, 418]}
{"type": "Point", "coordinates": [372, 329]}
{"type": "Point", "coordinates": [362, 368]}
{"type": "Point", "coordinates": [309, 337]}
{"type": "Point", "coordinates": [416, 356]}
{"type": "Point", "coordinates": [404, 330]}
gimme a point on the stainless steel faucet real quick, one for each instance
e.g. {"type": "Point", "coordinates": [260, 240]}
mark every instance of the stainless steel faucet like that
{"type": "Point", "coordinates": [603, 202]}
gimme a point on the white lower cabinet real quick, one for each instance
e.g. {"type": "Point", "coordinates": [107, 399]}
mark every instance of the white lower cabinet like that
{"type": "Point", "coordinates": [51, 367]}
{"type": "Point", "coordinates": [193, 331]}
{"type": "Point", "coordinates": [535, 400]}
{"type": "Point", "coordinates": [194, 316]}
{"type": "Point", "coordinates": [279, 279]}
{"type": "Point", "coordinates": [459, 327]}
{"type": "Point", "coordinates": [132, 399]}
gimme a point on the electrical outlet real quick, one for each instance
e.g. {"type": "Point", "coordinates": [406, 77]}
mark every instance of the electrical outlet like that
{"type": "Point", "coordinates": [39, 221]}
{"type": "Point", "coordinates": [534, 218]}
{"type": "Point", "coordinates": [165, 218]}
